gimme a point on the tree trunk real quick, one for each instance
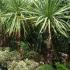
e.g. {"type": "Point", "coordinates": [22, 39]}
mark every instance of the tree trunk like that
{"type": "Point", "coordinates": [49, 46]}
{"type": "Point", "coordinates": [18, 45]}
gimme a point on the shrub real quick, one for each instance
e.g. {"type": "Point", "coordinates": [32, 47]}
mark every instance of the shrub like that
{"type": "Point", "coordinates": [61, 67]}
{"type": "Point", "coordinates": [17, 66]}
{"type": "Point", "coordinates": [45, 67]}
{"type": "Point", "coordinates": [31, 64]}
{"type": "Point", "coordinates": [23, 65]}
{"type": "Point", "coordinates": [4, 55]}
{"type": "Point", "coordinates": [32, 55]}
{"type": "Point", "coordinates": [7, 55]}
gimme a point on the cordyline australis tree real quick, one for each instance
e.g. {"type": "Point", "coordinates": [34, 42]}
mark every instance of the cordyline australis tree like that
{"type": "Point", "coordinates": [51, 16]}
{"type": "Point", "coordinates": [13, 17]}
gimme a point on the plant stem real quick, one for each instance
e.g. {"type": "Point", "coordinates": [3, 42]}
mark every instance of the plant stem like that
{"type": "Point", "coordinates": [18, 45]}
{"type": "Point", "coordinates": [49, 45]}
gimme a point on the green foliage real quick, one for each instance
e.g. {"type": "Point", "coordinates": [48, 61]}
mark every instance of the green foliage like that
{"type": "Point", "coordinates": [32, 55]}
{"type": "Point", "coordinates": [4, 55]}
{"type": "Point", "coordinates": [7, 55]}
{"type": "Point", "coordinates": [61, 67]}
{"type": "Point", "coordinates": [17, 66]}
{"type": "Point", "coordinates": [46, 12]}
{"type": "Point", "coordinates": [14, 19]}
{"type": "Point", "coordinates": [45, 67]}
{"type": "Point", "coordinates": [14, 16]}
{"type": "Point", "coordinates": [23, 65]}
{"type": "Point", "coordinates": [49, 67]}
{"type": "Point", "coordinates": [49, 12]}
{"type": "Point", "coordinates": [68, 65]}
{"type": "Point", "coordinates": [28, 53]}
{"type": "Point", "coordinates": [24, 45]}
{"type": "Point", "coordinates": [25, 49]}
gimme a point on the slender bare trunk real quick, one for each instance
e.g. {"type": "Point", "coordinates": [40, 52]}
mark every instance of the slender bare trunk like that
{"type": "Point", "coordinates": [18, 41]}
{"type": "Point", "coordinates": [18, 45]}
{"type": "Point", "coordinates": [49, 45]}
{"type": "Point", "coordinates": [49, 37]}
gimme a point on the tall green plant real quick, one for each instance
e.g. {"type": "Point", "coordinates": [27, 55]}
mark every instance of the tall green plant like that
{"type": "Point", "coordinates": [51, 15]}
{"type": "Point", "coordinates": [13, 18]}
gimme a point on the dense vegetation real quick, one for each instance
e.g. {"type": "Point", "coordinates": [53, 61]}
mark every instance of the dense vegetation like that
{"type": "Point", "coordinates": [35, 34]}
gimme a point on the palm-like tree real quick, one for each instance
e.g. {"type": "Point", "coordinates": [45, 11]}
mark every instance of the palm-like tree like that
{"type": "Point", "coordinates": [12, 17]}
{"type": "Point", "coordinates": [52, 16]}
